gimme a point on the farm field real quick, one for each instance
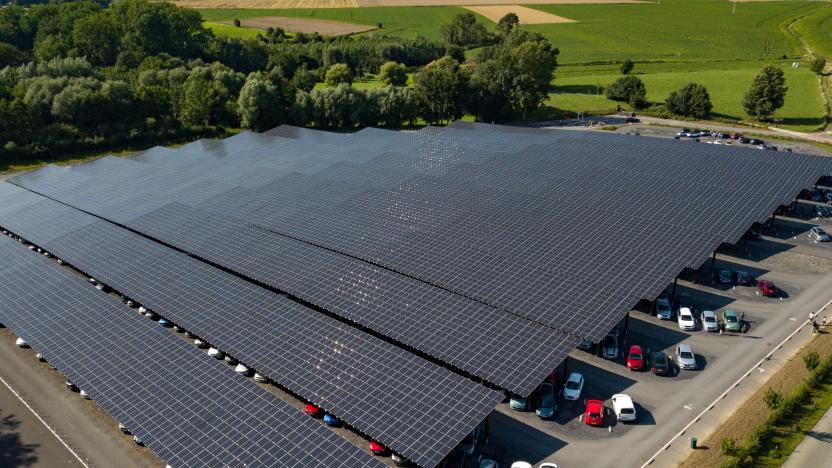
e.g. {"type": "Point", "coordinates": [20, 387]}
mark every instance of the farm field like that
{"type": "Point", "coordinates": [232, 31]}
{"type": "Point", "coordinates": [672, 43]}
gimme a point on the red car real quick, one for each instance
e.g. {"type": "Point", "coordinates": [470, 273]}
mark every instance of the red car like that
{"type": "Point", "coordinates": [377, 448]}
{"type": "Point", "coordinates": [594, 413]}
{"type": "Point", "coordinates": [312, 410]}
{"type": "Point", "coordinates": [635, 359]}
{"type": "Point", "coordinates": [767, 288]}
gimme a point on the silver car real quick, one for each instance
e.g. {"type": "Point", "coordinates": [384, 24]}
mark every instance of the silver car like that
{"type": "Point", "coordinates": [709, 322]}
{"type": "Point", "coordinates": [685, 357]}
{"type": "Point", "coordinates": [817, 233]}
{"type": "Point", "coordinates": [663, 310]}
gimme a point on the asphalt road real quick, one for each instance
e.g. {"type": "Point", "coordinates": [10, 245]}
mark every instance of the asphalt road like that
{"type": "Point", "coordinates": [81, 424]}
{"type": "Point", "coordinates": [816, 448]}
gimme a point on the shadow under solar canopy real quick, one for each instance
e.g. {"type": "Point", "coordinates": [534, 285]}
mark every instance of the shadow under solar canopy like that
{"type": "Point", "coordinates": [188, 408]}
{"type": "Point", "coordinates": [415, 407]}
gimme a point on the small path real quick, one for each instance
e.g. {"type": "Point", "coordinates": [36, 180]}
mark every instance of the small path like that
{"type": "Point", "coordinates": [816, 448]}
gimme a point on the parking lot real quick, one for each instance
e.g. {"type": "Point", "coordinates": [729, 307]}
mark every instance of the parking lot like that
{"type": "Point", "coordinates": [799, 266]}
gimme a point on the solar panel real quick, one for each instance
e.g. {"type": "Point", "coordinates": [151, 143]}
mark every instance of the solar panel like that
{"type": "Point", "coordinates": [188, 408]}
{"type": "Point", "coordinates": [415, 407]}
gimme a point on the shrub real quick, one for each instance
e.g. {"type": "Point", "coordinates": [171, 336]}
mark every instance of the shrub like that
{"type": "Point", "coordinates": [628, 89]}
{"type": "Point", "coordinates": [627, 66]}
{"type": "Point", "coordinates": [817, 64]}
{"type": "Point", "coordinates": [773, 399]}
{"type": "Point", "coordinates": [338, 74]}
{"type": "Point", "coordinates": [236, 22]}
{"type": "Point", "coordinates": [393, 73]}
{"type": "Point", "coordinates": [729, 447]}
{"type": "Point", "coordinates": [811, 360]}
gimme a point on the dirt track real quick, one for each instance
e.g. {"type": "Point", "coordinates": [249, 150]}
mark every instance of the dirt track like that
{"type": "Point", "coordinates": [373, 3]}
{"type": "Point", "coordinates": [302, 25]}
{"type": "Point", "coordinates": [525, 14]}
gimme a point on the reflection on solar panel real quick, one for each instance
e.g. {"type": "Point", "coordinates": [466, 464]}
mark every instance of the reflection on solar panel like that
{"type": "Point", "coordinates": [559, 233]}
{"type": "Point", "coordinates": [416, 408]}
{"type": "Point", "coordinates": [188, 408]}
{"type": "Point", "coordinates": [464, 333]}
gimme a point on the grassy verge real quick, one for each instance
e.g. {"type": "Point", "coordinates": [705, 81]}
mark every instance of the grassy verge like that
{"type": "Point", "coordinates": [754, 413]}
{"type": "Point", "coordinates": [230, 30]}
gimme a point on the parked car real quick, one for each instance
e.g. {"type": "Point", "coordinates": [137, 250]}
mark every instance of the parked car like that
{"type": "Point", "coordinates": [215, 353]}
{"type": "Point", "coordinates": [730, 320]}
{"type": "Point", "coordinates": [743, 278]}
{"type": "Point", "coordinates": [635, 358]}
{"type": "Point", "coordinates": [260, 378]}
{"type": "Point", "coordinates": [753, 235]}
{"type": "Point", "coordinates": [469, 443]}
{"type": "Point", "coordinates": [686, 320]}
{"type": "Point", "coordinates": [21, 343]}
{"type": "Point", "coordinates": [522, 464]}
{"type": "Point", "coordinates": [377, 449]}
{"type": "Point", "coordinates": [610, 345]}
{"type": "Point", "coordinates": [586, 345]}
{"type": "Point", "coordinates": [660, 363]}
{"type": "Point", "coordinates": [817, 233]}
{"type": "Point", "coordinates": [594, 413]}
{"type": "Point", "coordinates": [683, 132]}
{"type": "Point", "coordinates": [546, 405]}
{"type": "Point", "coordinates": [242, 370]}
{"type": "Point", "coordinates": [313, 411]}
{"type": "Point", "coordinates": [685, 357]}
{"type": "Point", "coordinates": [71, 386]}
{"type": "Point", "coordinates": [623, 407]}
{"type": "Point", "coordinates": [821, 211]}
{"type": "Point", "coordinates": [573, 387]}
{"type": "Point", "coordinates": [399, 460]}
{"type": "Point", "coordinates": [663, 309]}
{"type": "Point", "coordinates": [767, 288]}
{"type": "Point", "coordinates": [725, 277]}
{"type": "Point", "coordinates": [518, 403]}
{"type": "Point", "coordinates": [709, 322]}
{"type": "Point", "coordinates": [736, 136]}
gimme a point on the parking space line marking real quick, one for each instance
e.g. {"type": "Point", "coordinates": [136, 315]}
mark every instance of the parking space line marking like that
{"type": "Point", "coordinates": [725, 393]}
{"type": "Point", "coordinates": [43, 422]}
{"type": "Point", "coordinates": [687, 407]}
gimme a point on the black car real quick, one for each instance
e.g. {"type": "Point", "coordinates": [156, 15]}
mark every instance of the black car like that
{"type": "Point", "coordinates": [744, 140]}
{"type": "Point", "coordinates": [755, 141]}
{"type": "Point", "coordinates": [660, 363]}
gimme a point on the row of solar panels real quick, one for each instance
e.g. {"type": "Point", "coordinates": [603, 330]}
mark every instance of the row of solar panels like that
{"type": "Point", "coordinates": [417, 408]}
{"type": "Point", "coordinates": [190, 409]}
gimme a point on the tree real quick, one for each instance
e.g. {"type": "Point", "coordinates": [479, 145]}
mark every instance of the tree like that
{"type": "Point", "coordinates": [811, 360]}
{"type": "Point", "coordinates": [396, 105]}
{"type": "Point", "coordinates": [628, 89]}
{"type": "Point", "coordinates": [393, 73]}
{"type": "Point", "coordinates": [338, 74]}
{"type": "Point", "coordinates": [440, 89]}
{"type": "Point", "coordinates": [455, 52]}
{"type": "Point", "coordinates": [766, 94]}
{"type": "Point", "coordinates": [507, 24]}
{"type": "Point", "coordinates": [692, 100]}
{"type": "Point", "coordinates": [464, 30]}
{"type": "Point", "coordinates": [773, 398]}
{"type": "Point", "coordinates": [817, 65]}
{"type": "Point", "coordinates": [627, 66]}
{"type": "Point", "coordinates": [263, 103]}
{"type": "Point", "coordinates": [196, 104]}
{"type": "Point", "coordinates": [98, 37]}
{"type": "Point", "coordinates": [10, 56]}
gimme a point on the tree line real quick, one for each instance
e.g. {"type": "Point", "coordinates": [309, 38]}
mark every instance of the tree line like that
{"type": "Point", "coordinates": [83, 75]}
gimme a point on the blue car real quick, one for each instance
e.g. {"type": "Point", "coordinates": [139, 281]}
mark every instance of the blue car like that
{"type": "Point", "coordinates": [331, 420]}
{"type": "Point", "coordinates": [165, 323]}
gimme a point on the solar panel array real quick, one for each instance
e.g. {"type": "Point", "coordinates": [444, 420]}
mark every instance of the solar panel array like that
{"type": "Point", "coordinates": [417, 408]}
{"type": "Point", "coordinates": [188, 408]}
{"type": "Point", "coordinates": [492, 249]}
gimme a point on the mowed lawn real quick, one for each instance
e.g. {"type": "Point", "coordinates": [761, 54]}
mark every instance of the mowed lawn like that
{"type": "Point", "coordinates": [399, 21]}
{"type": "Point", "coordinates": [802, 111]}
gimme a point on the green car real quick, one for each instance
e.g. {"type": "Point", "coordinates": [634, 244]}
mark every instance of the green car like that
{"type": "Point", "coordinates": [732, 323]}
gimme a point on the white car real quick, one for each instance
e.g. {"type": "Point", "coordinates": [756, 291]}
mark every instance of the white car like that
{"type": "Point", "coordinates": [521, 464]}
{"type": "Point", "coordinates": [84, 395]}
{"type": "Point", "coordinates": [21, 343]}
{"type": "Point", "coordinates": [258, 377]}
{"type": "Point", "coordinates": [200, 344]}
{"type": "Point", "coordinates": [709, 322]}
{"type": "Point", "coordinates": [686, 320]}
{"type": "Point", "coordinates": [685, 357]}
{"type": "Point", "coordinates": [242, 370]}
{"type": "Point", "coordinates": [215, 353]}
{"type": "Point", "coordinates": [623, 407]}
{"type": "Point", "coordinates": [663, 310]}
{"type": "Point", "coordinates": [573, 387]}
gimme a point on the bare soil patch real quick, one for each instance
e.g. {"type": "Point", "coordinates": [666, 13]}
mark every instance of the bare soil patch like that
{"type": "Point", "coordinates": [525, 14]}
{"type": "Point", "coordinates": [303, 25]}
{"type": "Point", "coordinates": [375, 3]}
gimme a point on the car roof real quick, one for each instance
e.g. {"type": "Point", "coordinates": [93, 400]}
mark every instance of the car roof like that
{"type": "Point", "coordinates": [766, 283]}
{"type": "Point", "coordinates": [685, 347]}
{"type": "Point", "coordinates": [729, 312]}
{"type": "Point", "coordinates": [635, 346]}
{"type": "Point", "coordinates": [621, 398]}
{"type": "Point", "coordinates": [594, 404]}
{"type": "Point", "coordinates": [708, 312]}
{"type": "Point", "coordinates": [575, 374]}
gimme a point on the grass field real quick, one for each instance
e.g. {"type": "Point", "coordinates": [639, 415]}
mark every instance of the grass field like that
{"type": "Point", "coordinates": [673, 43]}
{"type": "Point", "coordinates": [232, 31]}
{"type": "Point", "coordinates": [803, 110]}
